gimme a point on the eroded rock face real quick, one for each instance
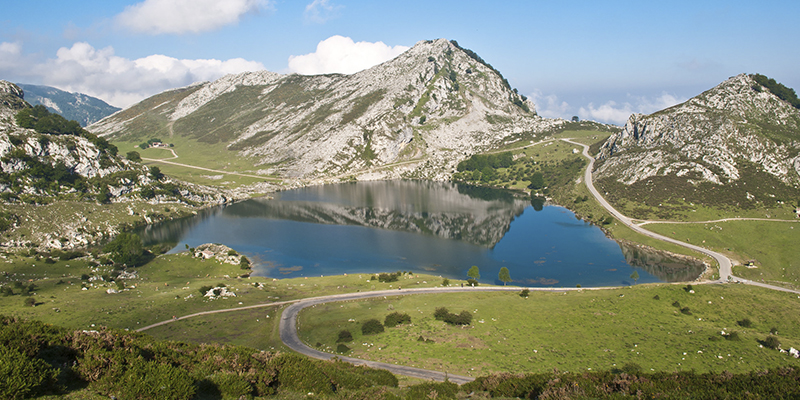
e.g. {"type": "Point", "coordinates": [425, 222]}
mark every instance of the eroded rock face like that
{"type": "Point", "coordinates": [429, 108]}
{"type": "Point", "coordinates": [708, 137]}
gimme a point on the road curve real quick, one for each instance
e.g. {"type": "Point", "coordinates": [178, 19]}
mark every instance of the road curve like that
{"type": "Point", "coordinates": [725, 266]}
{"type": "Point", "coordinates": [289, 337]}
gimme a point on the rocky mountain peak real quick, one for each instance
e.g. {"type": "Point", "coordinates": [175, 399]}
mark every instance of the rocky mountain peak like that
{"type": "Point", "coordinates": [715, 137]}
{"type": "Point", "coordinates": [11, 101]}
{"type": "Point", "coordinates": [426, 109]}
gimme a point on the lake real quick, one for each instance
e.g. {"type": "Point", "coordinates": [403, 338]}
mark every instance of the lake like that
{"type": "Point", "coordinates": [427, 227]}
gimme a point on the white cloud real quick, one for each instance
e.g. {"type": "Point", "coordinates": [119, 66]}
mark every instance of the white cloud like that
{"type": "Point", "coordinates": [116, 80]}
{"type": "Point", "coordinates": [320, 11]}
{"type": "Point", "coordinates": [339, 54]}
{"type": "Point", "coordinates": [183, 16]}
{"type": "Point", "coordinates": [550, 106]}
{"type": "Point", "coordinates": [614, 113]}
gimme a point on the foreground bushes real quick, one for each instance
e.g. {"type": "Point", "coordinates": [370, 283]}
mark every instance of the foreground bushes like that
{"type": "Point", "coordinates": [776, 384]}
{"type": "Point", "coordinates": [39, 359]}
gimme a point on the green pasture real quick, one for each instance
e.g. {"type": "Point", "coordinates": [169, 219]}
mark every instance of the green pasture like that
{"type": "Point", "coordinates": [191, 152]}
{"type": "Point", "coordinates": [570, 331]}
{"type": "Point", "coordinates": [771, 245]}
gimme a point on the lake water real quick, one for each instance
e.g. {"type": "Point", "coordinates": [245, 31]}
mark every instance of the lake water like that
{"type": "Point", "coordinates": [430, 227]}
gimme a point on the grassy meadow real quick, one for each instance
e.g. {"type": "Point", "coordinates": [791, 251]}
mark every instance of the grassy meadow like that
{"type": "Point", "coordinates": [770, 245]}
{"type": "Point", "coordinates": [571, 331]}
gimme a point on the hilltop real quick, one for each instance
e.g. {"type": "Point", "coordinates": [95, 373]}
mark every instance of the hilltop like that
{"type": "Point", "coordinates": [735, 146]}
{"type": "Point", "coordinates": [421, 113]}
{"type": "Point", "coordinates": [73, 106]}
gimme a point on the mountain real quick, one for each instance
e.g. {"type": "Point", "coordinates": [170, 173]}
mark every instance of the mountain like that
{"type": "Point", "coordinates": [72, 106]}
{"type": "Point", "coordinates": [427, 109]}
{"type": "Point", "coordinates": [736, 145]}
{"type": "Point", "coordinates": [45, 158]}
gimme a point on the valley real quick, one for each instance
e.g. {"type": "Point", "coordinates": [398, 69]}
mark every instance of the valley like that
{"type": "Point", "coordinates": [713, 179]}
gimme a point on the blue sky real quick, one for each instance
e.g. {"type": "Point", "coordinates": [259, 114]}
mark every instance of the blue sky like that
{"type": "Point", "coordinates": [600, 60]}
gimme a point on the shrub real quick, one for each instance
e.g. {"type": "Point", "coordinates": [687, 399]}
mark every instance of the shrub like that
{"type": "Point", "coordinates": [676, 304]}
{"type": "Point", "coordinates": [472, 282]}
{"type": "Point", "coordinates": [393, 277]}
{"type": "Point", "coordinates": [656, 297]}
{"type": "Point", "coordinates": [395, 319]}
{"type": "Point", "coordinates": [371, 327]}
{"type": "Point", "coordinates": [298, 373]}
{"type": "Point", "coordinates": [463, 318]}
{"type": "Point", "coordinates": [153, 380]}
{"type": "Point", "coordinates": [204, 289]}
{"type": "Point", "coordinates": [342, 348]}
{"type": "Point", "coordinates": [631, 368]}
{"type": "Point", "coordinates": [686, 310]}
{"type": "Point", "coordinates": [445, 282]}
{"type": "Point", "coordinates": [21, 376]}
{"type": "Point", "coordinates": [232, 385]}
{"type": "Point", "coordinates": [29, 302]}
{"type": "Point", "coordinates": [745, 323]}
{"type": "Point", "coordinates": [773, 331]}
{"type": "Point", "coordinates": [345, 336]}
{"type": "Point", "coordinates": [524, 293]}
{"type": "Point", "coordinates": [772, 342]}
{"type": "Point", "coordinates": [734, 336]}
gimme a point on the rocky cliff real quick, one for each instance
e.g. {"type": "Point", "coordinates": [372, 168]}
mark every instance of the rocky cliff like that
{"type": "Point", "coordinates": [419, 113]}
{"type": "Point", "coordinates": [72, 106]}
{"type": "Point", "coordinates": [736, 135]}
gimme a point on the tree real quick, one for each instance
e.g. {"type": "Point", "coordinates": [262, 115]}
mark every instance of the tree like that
{"type": "Point", "coordinates": [155, 173]}
{"type": "Point", "coordinates": [474, 273]}
{"type": "Point", "coordinates": [126, 249]}
{"type": "Point", "coordinates": [134, 156]}
{"type": "Point", "coordinates": [635, 276]}
{"type": "Point", "coordinates": [537, 181]}
{"type": "Point", "coordinates": [504, 275]}
{"type": "Point", "coordinates": [575, 118]}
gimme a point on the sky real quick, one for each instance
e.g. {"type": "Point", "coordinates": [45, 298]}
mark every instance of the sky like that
{"type": "Point", "coordinates": [595, 59]}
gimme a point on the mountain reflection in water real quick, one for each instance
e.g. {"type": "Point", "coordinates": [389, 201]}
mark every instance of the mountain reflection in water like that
{"type": "Point", "coordinates": [433, 227]}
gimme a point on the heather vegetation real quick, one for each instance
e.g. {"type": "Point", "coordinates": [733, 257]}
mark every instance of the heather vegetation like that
{"type": "Point", "coordinates": [39, 359]}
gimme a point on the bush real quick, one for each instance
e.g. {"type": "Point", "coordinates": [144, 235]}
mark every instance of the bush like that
{"type": "Point", "coordinates": [232, 385]}
{"type": "Point", "coordinates": [153, 380]}
{"type": "Point", "coordinates": [393, 277]}
{"type": "Point", "coordinates": [734, 336]}
{"type": "Point", "coordinates": [345, 336]}
{"type": "Point", "coordinates": [204, 289]}
{"type": "Point", "coordinates": [524, 293]}
{"type": "Point", "coordinates": [445, 282]}
{"type": "Point", "coordinates": [463, 318]}
{"type": "Point", "coordinates": [472, 282]}
{"type": "Point", "coordinates": [21, 376]}
{"type": "Point", "coordinates": [342, 348]}
{"type": "Point", "coordinates": [371, 327]}
{"type": "Point", "coordinates": [395, 319]}
{"type": "Point", "coordinates": [29, 302]}
{"type": "Point", "coordinates": [745, 323]}
{"type": "Point", "coordinates": [686, 310]}
{"type": "Point", "coordinates": [772, 342]}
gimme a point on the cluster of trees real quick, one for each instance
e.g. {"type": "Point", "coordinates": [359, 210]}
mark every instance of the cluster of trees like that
{"type": "Point", "coordinates": [462, 318]}
{"type": "Point", "coordinates": [41, 120]}
{"type": "Point", "coordinates": [778, 89]}
{"type": "Point", "coordinates": [479, 162]}
{"type": "Point", "coordinates": [148, 143]}
{"type": "Point", "coordinates": [40, 359]}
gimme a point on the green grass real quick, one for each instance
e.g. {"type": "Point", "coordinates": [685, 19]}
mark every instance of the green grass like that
{"type": "Point", "coordinates": [193, 153]}
{"type": "Point", "coordinates": [772, 245]}
{"type": "Point", "coordinates": [169, 286]}
{"type": "Point", "coordinates": [574, 331]}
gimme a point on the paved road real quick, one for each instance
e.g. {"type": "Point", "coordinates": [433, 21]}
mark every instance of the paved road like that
{"type": "Point", "coordinates": [289, 337]}
{"type": "Point", "coordinates": [725, 267]}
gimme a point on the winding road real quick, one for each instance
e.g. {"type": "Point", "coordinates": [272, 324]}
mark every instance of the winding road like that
{"type": "Point", "coordinates": [288, 321]}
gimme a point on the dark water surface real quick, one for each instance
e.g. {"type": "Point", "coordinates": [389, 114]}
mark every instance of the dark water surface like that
{"type": "Point", "coordinates": [431, 227]}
